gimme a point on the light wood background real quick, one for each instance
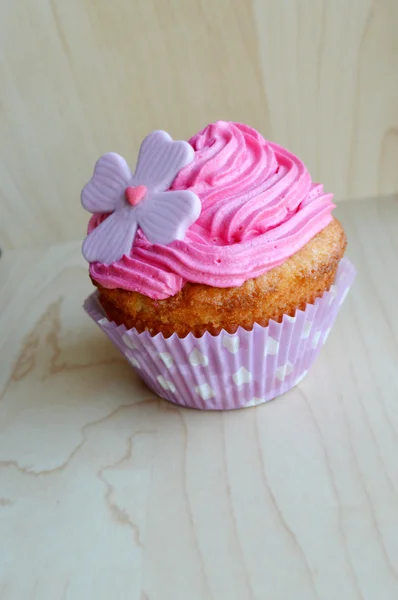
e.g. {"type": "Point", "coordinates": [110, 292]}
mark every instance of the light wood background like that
{"type": "Point", "coordinates": [82, 77]}
{"type": "Point", "coordinates": [108, 492]}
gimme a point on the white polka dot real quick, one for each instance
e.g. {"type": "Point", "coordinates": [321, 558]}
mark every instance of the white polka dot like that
{"type": "Point", "coordinates": [167, 359]}
{"type": "Point", "coordinates": [242, 376]}
{"type": "Point", "coordinates": [283, 371]}
{"type": "Point", "coordinates": [271, 346]}
{"type": "Point", "coordinates": [306, 330]}
{"type": "Point", "coordinates": [300, 378]}
{"type": "Point", "coordinates": [231, 343]}
{"type": "Point", "coordinates": [127, 340]}
{"type": "Point", "coordinates": [205, 391]}
{"type": "Point", "coordinates": [315, 339]}
{"type": "Point", "coordinates": [166, 385]}
{"type": "Point", "coordinates": [196, 358]}
{"type": "Point", "coordinates": [103, 321]}
{"type": "Point", "coordinates": [254, 401]}
{"type": "Point", "coordinates": [133, 360]}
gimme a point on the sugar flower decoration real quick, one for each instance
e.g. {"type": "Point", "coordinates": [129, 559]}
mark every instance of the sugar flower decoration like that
{"type": "Point", "coordinates": [140, 200]}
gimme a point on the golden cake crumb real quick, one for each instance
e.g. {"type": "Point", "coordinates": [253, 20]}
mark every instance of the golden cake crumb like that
{"type": "Point", "coordinates": [198, 308]}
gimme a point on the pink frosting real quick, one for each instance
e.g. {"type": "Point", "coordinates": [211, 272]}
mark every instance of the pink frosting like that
{"type": "Point", "coordinates": [259, 207]}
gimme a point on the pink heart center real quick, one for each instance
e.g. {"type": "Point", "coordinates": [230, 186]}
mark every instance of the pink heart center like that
{"type": "Point", "coordinates": [134, 195]}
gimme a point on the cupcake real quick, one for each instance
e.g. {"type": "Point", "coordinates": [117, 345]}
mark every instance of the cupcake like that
{"type": "Point", "coordinates": [218, 265]}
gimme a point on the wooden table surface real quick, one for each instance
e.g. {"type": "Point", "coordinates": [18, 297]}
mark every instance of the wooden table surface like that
{"type": "Point", "coordinates": [107, 491]}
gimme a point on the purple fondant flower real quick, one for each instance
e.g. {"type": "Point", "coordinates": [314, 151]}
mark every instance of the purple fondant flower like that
{"type": "Point", "coordinates": [140, 200]}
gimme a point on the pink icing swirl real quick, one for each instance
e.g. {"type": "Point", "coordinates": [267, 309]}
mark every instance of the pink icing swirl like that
{"type": "Point", "coordinates": [259, 207]}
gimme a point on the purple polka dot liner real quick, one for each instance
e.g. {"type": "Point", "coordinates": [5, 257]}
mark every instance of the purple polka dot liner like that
{"type": "Point", "coordinates": [230, 371]}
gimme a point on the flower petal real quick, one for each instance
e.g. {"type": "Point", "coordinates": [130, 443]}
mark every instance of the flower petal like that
{"type": "Point", "coordinates": [160, 159]}
{"type": "Point", "coordinates": [104, 190]}
{"type": "Point", "coordinates": [113, 238]}
{"type": "Point", "coordinates": [166, 216]}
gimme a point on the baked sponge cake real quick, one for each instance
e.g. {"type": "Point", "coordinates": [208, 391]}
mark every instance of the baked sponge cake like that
{"type": "Point", "coordinates": [210, 238]}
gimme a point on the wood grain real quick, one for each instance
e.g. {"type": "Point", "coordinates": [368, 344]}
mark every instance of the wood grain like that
{"type": "Point", "coordinates": [80, 78]}
{"type": "Point", "coordinates": [107, 491]}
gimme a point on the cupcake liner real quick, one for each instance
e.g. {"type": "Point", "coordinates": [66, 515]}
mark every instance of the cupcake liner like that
{"type": "Point", "coordinates": [230, 371]}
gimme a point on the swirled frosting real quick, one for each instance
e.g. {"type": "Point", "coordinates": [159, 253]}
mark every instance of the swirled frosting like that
{"type": "Point", "coordinates": [259, 207]}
